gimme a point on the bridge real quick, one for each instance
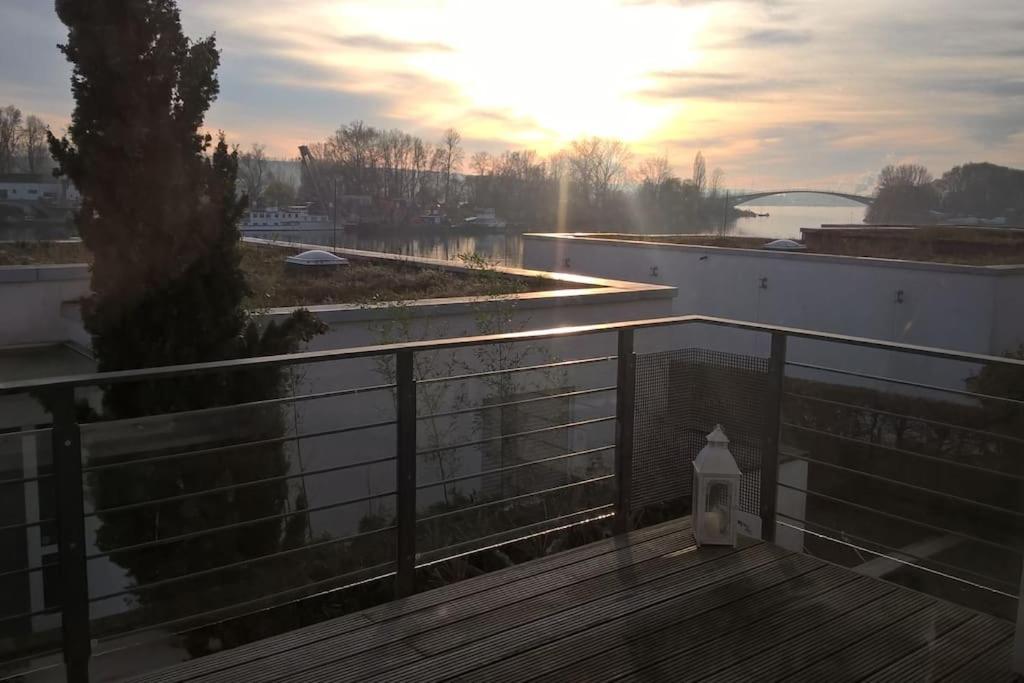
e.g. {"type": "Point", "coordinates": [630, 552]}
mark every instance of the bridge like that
{"type": "Point", "coordinates": [751, 196]}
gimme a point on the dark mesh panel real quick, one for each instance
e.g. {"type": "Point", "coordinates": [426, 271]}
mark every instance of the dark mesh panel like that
{"type": "Point", "coordinates": [680, 396]}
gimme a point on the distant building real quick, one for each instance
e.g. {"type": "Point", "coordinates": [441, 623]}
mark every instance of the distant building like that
{"type": "Point", "coordinates": [37, 187]}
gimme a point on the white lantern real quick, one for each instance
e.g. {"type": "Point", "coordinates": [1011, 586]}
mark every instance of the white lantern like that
{"type": "Point", "coordinates": [716, 492]}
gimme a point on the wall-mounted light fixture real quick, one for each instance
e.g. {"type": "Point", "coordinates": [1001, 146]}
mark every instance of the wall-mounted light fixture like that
{"type": "Point", "coordinates": [764, 283]}
{"type": "Point", "coordinates": [899, 296]}
{"type": "Point", "coordinates": [567, 263]}
{"type": "Point", "coordinates": [654, 271]}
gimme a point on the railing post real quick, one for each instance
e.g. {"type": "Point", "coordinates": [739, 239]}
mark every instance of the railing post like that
{"type": "Point", "coordinates": [74, 594]}
{"type": "Point", "coordinates": [625, 401]}
{"type": "Point", "coordinates": [1018, 634]}
{"type": "Point", "coordinates": [770, 437]}
{"type": "Point", "coordinates": [405, 577]}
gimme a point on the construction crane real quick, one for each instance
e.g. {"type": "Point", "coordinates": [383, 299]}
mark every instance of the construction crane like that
{"type": "Point", "coordinates": [309, 162]}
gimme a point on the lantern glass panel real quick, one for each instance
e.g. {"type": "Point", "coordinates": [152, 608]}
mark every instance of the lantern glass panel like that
{"type": "Point", "coordinates": [718, 508]}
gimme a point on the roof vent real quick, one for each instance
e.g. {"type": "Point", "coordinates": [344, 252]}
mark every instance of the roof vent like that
{"type": "Point", "coordinates": [317, 258]}
{"type": "Point", "coordinates": [784, 245]}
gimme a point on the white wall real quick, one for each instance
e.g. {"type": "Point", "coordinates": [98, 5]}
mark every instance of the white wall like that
{"type": "Point", "coordinates": [965, 308]}
{"type": "Point", "coordinates": [34, 303]}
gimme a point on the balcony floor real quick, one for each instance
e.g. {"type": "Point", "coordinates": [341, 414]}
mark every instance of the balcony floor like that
{"type": "Point", "coordinates": [645, 606]}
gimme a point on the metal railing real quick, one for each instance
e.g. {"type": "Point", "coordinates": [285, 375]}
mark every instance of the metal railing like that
{"type": "Point", "coordinates": [70, 472]}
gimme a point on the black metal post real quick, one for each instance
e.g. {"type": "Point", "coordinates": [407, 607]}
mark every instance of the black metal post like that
{"type": "Point", "coordinates": [405, 579]}
{"type": "Point", "coordinates": [625, 400]}
{"type": "Point", "coordinates": [67, 463]}
{"type": "Point", "coordinates": [770, 437]}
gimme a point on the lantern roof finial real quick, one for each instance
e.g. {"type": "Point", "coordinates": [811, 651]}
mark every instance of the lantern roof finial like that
{"type": "Point", "coordinates": [715, 458]}
{"type": "Point", "coordinates": [717, 436]}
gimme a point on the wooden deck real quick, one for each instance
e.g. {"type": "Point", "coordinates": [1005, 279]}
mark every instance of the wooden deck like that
{"type": "Point", "coordinates": [645, 606]}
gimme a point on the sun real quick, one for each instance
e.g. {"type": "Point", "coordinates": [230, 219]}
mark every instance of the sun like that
{"type": "Point", "coordinates": [541, 72]}
{"type": "Point", "coordinates": [567, 68]}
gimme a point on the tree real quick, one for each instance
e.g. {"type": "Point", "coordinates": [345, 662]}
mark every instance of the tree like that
{"type": "Point", "coordinates": [279, 193]}
{"type": "Point", "coordinates": [905, 195]}
{"type": "Point", "coordinates": [160, 215]}
{"type": "Point", "coordinates": [716, 183]}
{"type": "Point", "coordinates": [700, 173]}
{"type": "Point", "coordinates": [10, 137]}
{"type": "Point", "coordinates": [34, 141]}
{"type": "Point", "coordinates": [983, 190]}
{"type": "Point", "coordinates": [654, 170]}
{"type": "Point", "coordinates": [451, 155]}
{"type": "Point", "coordinates": [253, 174]}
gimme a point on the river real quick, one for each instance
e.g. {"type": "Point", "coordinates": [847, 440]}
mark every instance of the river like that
{"type": "Point", "coordinates": [506, 248]}
{"type": "Point", "coordinates": [500, 247]}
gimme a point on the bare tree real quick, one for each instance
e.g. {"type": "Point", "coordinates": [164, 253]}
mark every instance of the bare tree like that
{"type": "Point", "coordinates": [481, 163]}
{"type": "Point", "coordinates": [33, 137]}
{"type": "Point", "coordinates": [451, 158]}
{"type": "Point", "coordinates": [655, 170]}
{"type": "Point", "coordinates": [10, 137]}
{"type": "Point", "coordinates": [253, 174]}
{"type": "Point", "coordinates": [700, 173]}
{"type": "Point", "coordinates": [716, 183]}
{"type": "Point", "coordinates": [598, 166]}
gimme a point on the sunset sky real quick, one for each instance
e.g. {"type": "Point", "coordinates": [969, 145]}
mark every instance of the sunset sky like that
{"type": "Point", "coordinates": [818, 93]}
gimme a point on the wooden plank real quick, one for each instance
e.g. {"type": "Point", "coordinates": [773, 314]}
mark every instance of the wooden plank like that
{"type": "Point", "coordinates": [885, 646]}
{"type": "Point", "coordinates": [991, 666]}
{"type": "Point", "coordinates": [439, 596]}
{"type": "Point", "coordinates": [332, 650]}
{"type": "Point", "coordinates": [944, 655]}
{"type": "Point", "coordinates": [522, 634]}
{"type": "Point", "coordinates": [811, 646]}
{"type": "Point", "coordinates": [707, 605]}
{"type": "Point", "coordinates": [753, 640]}
{"type": "Point", "coordinates": [622, 659]}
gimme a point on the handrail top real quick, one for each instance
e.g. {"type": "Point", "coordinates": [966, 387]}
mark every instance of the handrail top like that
{"type": "Point", "coordinates": [349, 353]}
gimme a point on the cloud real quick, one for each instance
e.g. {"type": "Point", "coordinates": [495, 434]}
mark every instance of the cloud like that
{"type": "Point", "coordinates": [368, 41]}
{"type": "Point", "coordinates": [712, 85]}
{"type": "Point", "coordinates": [773, 37]}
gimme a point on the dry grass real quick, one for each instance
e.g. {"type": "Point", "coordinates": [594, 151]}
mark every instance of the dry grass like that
{"type": "Point", "coordinates": [370, 282]}
{"type": "Point", "coordinates": [361, 282]}
{"type": "Point", "coordinates": [42, 253]}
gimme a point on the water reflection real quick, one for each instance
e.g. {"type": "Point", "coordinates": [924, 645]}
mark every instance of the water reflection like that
{"type": "Point", "coordinates": [504, 248]}
{"type": "Point", "coordinates": [500, 246]}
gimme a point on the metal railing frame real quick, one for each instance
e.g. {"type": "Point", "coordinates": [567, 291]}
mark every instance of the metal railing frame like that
{"type": "Point", "coordinates": [67, 447]}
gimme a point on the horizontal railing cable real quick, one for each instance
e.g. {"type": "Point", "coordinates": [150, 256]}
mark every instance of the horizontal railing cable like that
{"type": "Point", "coordinates": [491, 541]}
{"type": "Point", "coordinates": [366, 575]}
{"type": "Point", "coordinates": [898, 560]}
{"type": "Point", "coordinates": [54, 609]}
{"type": "Point", "coordinates": [913, 487]}
{"type": "Point", "coordinates": [903, 451]}
{"type": "Point", "coordinates": [237, 446]}
{"type": "Point", "coordinates": [905, 383]}
{"type": "Point", "coordinates": [524, 368]}
{"type": "Point", "coordinates": [516, 435]}
{"type": "Point", "coordinates": [911, 418]}
{"type": "Point", "coordinates": [508, 404]}
{"type": "Point", "coordinates": [907, 520]}
{"type": "Point", "coordinates": [29, 570]}
{"type": "Point", "coordinates": [236, 525]}
{"type": "Point", "coordinates": [510, 468]}
{"type": "Point", "coordinates": [510, 499]}
{"type": "Point", "coordinates": [26, 480]}
{"type": "Point", "coordinates": [284, 400]}
{"type": "Point", "coordinates": [27, 525]}
{"type": "Point", "coordinates": [241, 563]}
{"type": "Point", "coordinates": [842, 535]}
{"type": "Point", "coordinates": [234, 487]}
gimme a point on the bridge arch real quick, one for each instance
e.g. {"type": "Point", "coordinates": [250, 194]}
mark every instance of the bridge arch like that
{"type": "Point", "coordinates": [736, 200]}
